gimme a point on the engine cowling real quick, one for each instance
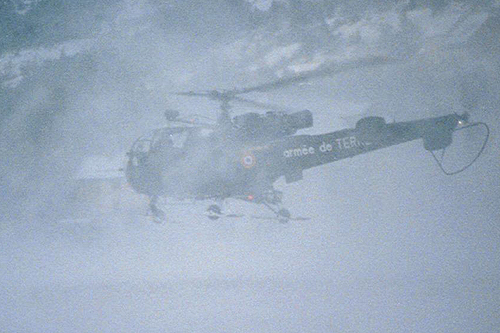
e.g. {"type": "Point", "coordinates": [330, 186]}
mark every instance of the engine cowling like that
{"type": "Point", "coordinates": [272, 124]}
{"type": "Point", "coordinates": [370, 128]}
{"type": "Point", "coordinates": [299, 120]}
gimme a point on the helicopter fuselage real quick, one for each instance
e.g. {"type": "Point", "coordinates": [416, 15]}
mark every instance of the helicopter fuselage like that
{"type": "Point", "coordinates": [221, 164]}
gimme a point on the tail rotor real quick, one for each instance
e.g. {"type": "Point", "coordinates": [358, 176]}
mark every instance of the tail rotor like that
{"type": "Point", "coordinates": [472, 137]}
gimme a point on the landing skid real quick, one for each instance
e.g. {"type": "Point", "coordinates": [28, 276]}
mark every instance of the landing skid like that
{"type": "Point", "coordinates": [157, 214]}
{"type": "Point", "coordinates": [275, 218]}
{"type": "Point", "coordinates": [214, 212]}
{"type": "Point", "coordinates": [282, 215]}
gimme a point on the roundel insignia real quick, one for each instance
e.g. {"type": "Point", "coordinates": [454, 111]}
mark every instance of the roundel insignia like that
{"type": "Point", "coordinates": [248, 160]}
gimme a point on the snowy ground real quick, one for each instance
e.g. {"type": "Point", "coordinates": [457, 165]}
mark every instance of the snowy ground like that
{"type": "Point", "coordinates": [370, 305]}
{"type": "Point", "coordinates": [388, 253]}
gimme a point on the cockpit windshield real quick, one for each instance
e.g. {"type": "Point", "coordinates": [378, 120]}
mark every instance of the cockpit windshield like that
{"type": "Point", "coordinates": [169, 136]}
{"type": "Point", "coordinates": [175, 137]}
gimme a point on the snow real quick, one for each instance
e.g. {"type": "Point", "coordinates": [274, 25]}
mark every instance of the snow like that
{"type": "Point", "coordinates": [12, 64]}
{"type": "Point", "coordinates": [357, 39]}
{"type": "Point", "coordinates": [392, 245]}
{"type": "Point", "coordinates": [385, 267]}
{"type": "Point", "coordinates": [262, 5]}
{"type": "Point", "coordinates": [22, 7]}
{"type": "Point", "coordinates": [102, 167]}
{"type": "Point", "coordinates": [281, 53]}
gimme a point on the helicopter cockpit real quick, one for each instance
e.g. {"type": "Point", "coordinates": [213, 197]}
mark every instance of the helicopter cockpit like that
{"type": "Point", "coordinates": [160, 139]}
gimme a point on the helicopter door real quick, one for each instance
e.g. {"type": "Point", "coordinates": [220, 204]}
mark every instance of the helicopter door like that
{"type": "Point", "coordinates": [139, 151]}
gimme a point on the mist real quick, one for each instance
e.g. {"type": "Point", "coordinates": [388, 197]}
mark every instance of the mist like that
{"type": "Point", "coordinates": [391, 244]}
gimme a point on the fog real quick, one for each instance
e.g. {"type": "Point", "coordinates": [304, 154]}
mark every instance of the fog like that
{"type": "Point", "coordinates": [391, 244]}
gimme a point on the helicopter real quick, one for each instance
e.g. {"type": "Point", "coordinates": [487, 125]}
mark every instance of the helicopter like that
{"type": "Point", "coordinates": [242, 156]}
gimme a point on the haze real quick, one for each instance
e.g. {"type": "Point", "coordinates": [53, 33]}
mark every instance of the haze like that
{"type": "Point", "coordinates": [392, 244]}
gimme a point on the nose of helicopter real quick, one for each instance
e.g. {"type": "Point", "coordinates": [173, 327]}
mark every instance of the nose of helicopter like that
{"type": "Point", "coordinates": [138, 174]}
{"type": "Point", "coordinates": [132, 172]}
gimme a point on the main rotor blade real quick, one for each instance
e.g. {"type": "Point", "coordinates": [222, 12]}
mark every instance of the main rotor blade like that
{"type": "Point", "coordinates": [321, 72]}
{"type": "Point", "coordinates": [216, 95]}
{"type": "Point", "coordinates": [265, 106]}
{"type": "Point", "coordinates": [229, 95]}
{"type": "Point", "coordinates": [191, 93]}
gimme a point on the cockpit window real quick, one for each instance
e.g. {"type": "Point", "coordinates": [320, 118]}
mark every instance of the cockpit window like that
{"type": "Point", "coordinates": [141, 146]}
{"type": "Point", "coordinates": [175, 137]}
{"type": "Point", "coordinates": [162, 138]}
